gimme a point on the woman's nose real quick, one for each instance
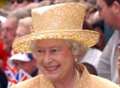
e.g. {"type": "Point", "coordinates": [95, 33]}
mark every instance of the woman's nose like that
{"type": "Point", "coordinates": [47, 57]}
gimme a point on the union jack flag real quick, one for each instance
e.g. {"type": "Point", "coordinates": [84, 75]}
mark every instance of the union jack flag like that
{"type": "Point", "coordinates": [14, 76]}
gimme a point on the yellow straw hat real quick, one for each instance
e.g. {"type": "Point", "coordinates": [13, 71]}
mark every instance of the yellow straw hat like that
{"type": "Point", "coordinates": [60, 21]}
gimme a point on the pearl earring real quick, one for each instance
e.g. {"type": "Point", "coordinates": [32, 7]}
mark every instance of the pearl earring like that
{"type": "Point", "coordinates": [76, 60]}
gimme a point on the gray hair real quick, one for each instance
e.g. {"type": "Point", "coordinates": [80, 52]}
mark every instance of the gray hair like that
{"type": "Point", "coordinates": [26, 23]}
{"type": "Point", "coordinates": [78, 49]}
{"type": "Point", "coordinates": [20, 13]}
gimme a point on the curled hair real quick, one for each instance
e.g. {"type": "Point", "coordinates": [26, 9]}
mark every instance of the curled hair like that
{"type": "Point", "coordinates": [20, 13]}
{"type": "Point", "coordinates": [78, 49]}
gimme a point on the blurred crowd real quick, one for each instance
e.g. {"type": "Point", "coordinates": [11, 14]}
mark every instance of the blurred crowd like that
{"type": "Point", "coordinates": [16, 21]}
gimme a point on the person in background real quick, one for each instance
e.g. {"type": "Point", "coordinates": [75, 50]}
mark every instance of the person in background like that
{"type": "Point", "coordinates": [58, 43]}
{"type": "Point", "coordinates": [110, 12]}
{"type": "Point", "coordinates": [3, 79]}
{"type": "Point", "coordinates": [3, 53]}
{"type": "Point", "coordinates": [24, 26]}
{"type": "Point", "coordinates": [9, 28]}
{"type": "Point", "coordinates": [22, 66]}
{"type": "Point", "coordinates": [8, 33]}
{"type": "Point", "coordinates": [16, 4]}
{"type": "Point", "coordinates": [26, 62]}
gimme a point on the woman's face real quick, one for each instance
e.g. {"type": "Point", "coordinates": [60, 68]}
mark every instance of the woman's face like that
{"type": "Point", "coordinates": [55, 58]}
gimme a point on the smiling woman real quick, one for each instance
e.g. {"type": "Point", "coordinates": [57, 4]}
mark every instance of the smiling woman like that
{"type": "Point", "coordinates": [54, 58]}
{"type": "Point", "coordinates": [58, 43]}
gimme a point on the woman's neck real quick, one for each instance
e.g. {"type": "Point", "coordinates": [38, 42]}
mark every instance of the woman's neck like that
{"type": "Point", "coordinates": [67, 82]}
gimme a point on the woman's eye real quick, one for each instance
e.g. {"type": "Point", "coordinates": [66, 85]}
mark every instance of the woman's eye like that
{"type": "Point", "coordinates": [54, 50]}
{"type": "Point", "coordinates": [40, 51]}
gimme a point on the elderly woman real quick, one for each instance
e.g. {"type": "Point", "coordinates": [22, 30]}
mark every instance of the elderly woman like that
{"type": "Point", "coordinates": [58, 43]}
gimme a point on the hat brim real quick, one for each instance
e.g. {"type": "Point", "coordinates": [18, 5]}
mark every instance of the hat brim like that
{"type": "Point", "coordinates": [19, 57]}
{"type": "Point", "coordinates": [86, 37]}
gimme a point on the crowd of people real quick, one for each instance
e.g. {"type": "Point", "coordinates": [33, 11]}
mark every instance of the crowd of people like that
{"type": "Point", "coordinates": [59, 43]}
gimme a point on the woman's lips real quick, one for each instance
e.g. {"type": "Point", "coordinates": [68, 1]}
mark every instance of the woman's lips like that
{"type": "Point", "coordinates": [52, 68]}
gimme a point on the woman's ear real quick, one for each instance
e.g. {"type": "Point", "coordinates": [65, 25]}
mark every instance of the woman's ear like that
{"type": "Point", "coordinates": [115, 8]}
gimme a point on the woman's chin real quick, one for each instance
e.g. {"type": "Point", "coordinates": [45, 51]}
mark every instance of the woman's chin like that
{"type": "Point", "coordinates": [53, 77]}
